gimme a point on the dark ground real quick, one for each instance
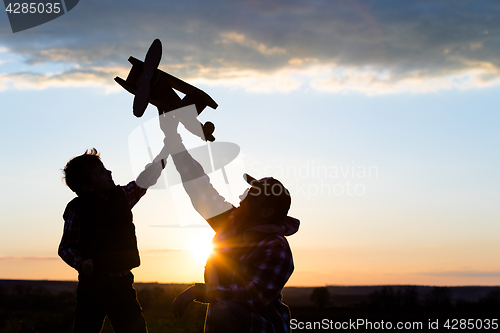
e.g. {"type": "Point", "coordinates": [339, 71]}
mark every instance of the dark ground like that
{"type": "Point", "coordinates": [47, 307]}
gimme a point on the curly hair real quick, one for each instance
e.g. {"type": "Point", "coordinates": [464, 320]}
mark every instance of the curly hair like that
{"type": "Point", "coordinates": [78, 170]}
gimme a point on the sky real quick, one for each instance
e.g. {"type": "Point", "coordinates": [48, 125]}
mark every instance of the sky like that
{"type": "Point", "coordinates": [378, 116]}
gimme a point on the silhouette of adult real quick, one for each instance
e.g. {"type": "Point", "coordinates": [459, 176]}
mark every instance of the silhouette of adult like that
{"type": "Point", "coordinates": [251, 261]}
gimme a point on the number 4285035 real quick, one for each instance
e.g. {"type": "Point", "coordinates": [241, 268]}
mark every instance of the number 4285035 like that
{"type": "Point", "coordinates": [472, 324]}
{"type": "Point", "coordinates": [33, 8]}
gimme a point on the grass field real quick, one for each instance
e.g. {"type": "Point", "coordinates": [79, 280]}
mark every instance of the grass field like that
{"type": "Point", "coordinates": [47, 307]}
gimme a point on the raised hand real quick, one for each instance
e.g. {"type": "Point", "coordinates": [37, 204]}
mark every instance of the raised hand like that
{"type": "Point", "coordinates": [168, 123]}
{"type": "Point", "coordinates": [182, 300]}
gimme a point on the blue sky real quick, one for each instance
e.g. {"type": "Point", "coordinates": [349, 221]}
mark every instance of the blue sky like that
{"type": "Point", "coordinates": [380, 117]}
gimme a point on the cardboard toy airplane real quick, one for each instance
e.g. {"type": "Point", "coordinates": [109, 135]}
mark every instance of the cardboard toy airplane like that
{"type": "Point", "coordinates": [151, 85]}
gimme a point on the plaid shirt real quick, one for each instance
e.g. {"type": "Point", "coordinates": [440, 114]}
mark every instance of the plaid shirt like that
{"type": "Point", "coordinates": [68, 250]}
{"type": "Point", "coordinates": [249, 267]}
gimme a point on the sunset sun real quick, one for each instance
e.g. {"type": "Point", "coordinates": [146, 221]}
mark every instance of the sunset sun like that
{"type": "Point", "coordinates": [201, 246]}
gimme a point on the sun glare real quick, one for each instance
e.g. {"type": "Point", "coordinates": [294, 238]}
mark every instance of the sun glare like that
{"type": "Point", "coordinates": [201, 246]}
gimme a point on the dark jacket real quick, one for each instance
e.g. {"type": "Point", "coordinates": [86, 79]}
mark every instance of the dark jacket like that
{"type": "Point", "coordinates": [107, 234]}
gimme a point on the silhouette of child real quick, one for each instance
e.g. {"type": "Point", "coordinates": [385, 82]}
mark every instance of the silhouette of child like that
{"type": "Point", "coordinates": [99, 241]}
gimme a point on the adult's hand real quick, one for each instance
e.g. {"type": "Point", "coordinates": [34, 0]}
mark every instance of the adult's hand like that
{"type": "Point", "coordinates": [182, 300]}
{"type": "Point", "coordinates": [87, 267]}
{"type": "Point", "coordinates": [168, 123]}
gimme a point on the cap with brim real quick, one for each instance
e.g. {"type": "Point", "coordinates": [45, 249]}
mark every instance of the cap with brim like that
{"type": "Point", "coordinates": [273, 190]}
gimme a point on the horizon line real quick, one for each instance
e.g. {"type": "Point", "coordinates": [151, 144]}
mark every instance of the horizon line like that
{"type": "Point", "coordinates": [286, 286]}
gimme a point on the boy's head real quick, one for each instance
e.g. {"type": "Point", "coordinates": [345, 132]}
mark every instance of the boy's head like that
{"type": "Point", "coordinates": [87, 173]}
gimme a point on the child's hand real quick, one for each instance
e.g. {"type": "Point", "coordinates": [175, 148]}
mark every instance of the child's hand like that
{"type": "Point", "coordinates": [168, 124]}
{"type": "Point", "coordinates": [87, 267]}
{"type": "Point", "coordinates": [150, 175]}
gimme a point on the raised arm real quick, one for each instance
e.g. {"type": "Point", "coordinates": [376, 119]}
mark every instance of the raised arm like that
{"type": "Point", "coordinates": [204, 197]}
{"type": "Point", "coordinates": [149, 176]}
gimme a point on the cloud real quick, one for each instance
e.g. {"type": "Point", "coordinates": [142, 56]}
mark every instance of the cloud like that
{"type": "Point", "coordinates": [375, 47]}
{"type": "Point", "coordinates": [464, 273]}
{"type": "Point", "coordinates": [233, 37]}
{"type": "Point", "coordinates": [90, 77]}
{"type": "Point", "coordinates": [29, 258]}
{"type": "Point", "coordinates": [375, 81]}
{"type": "Point", "coordinates": [162, 252]}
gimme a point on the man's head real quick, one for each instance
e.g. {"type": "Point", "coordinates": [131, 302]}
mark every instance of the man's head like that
{"type": "Point", "coordinates": [267, 199]}
{"type": "Point", "coordinates": [87, 173]}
